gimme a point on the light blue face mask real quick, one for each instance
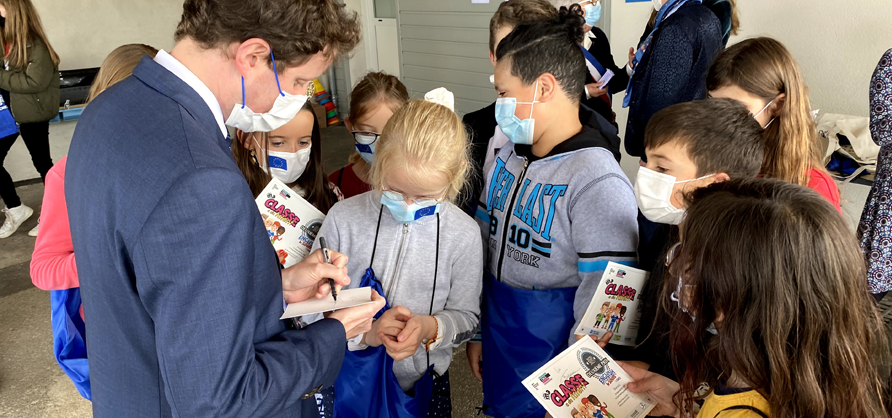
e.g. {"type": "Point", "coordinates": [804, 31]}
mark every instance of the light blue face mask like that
{"type": "Point", "coordinates": [518, 131]}
{"type": "Point", "coordinates": [404, 213]}
{"type": "Point", "coordinates": [592, 13]}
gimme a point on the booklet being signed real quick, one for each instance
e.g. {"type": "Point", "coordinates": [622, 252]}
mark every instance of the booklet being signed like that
{"type": "Point", "coordinates": [584, 382]}
{"type": "Point", "coordinates": [291, 222]}
{"type": "Point", "coordinates": [615, 305]}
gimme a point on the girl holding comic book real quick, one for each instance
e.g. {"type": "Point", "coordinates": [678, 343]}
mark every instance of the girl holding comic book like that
{"type": "Point", "coordinates": [796, 332]}
{"type": "Point", "coordinates": [292, 154]}
{"type": "Point", "coordinates": [420, 251]}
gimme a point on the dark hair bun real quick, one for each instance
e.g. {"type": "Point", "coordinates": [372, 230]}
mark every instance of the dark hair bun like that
{"type": "Point", "coordinates": [572, 19]}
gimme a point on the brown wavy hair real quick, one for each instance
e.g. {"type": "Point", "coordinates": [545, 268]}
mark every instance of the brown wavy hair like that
{"type": "Point", "coordinates": [22, 25]}
{"type": "Point", "coordinates": [118, 65]}
{"type": "Point", "coordinates": [313, 180]}
{"type": "Point", "coordinates": [765, 68]}
{"type": "Point", "coordinates": [780, 273]}
{"type": "Point", "coordinates": [295, 29]}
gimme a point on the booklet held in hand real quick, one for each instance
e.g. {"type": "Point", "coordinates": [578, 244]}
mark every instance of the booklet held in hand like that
{"type": "Point", "coordinates": [584, 381]}
{"type": "Point", "coordinates": [616, 305]}
{"type": "Point", "coordinates": [347, 298]}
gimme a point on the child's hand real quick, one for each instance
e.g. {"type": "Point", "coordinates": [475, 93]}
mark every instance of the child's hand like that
{"type": "Point", "coordinates": [475, 353]}
{"type": "Point", "coordinates": [660, 388]}
{"type": "Point", "coordinates": [405, 344]}
{"type": "Point", "coordinates": [602, 342]}
{"type": "Point", "coordinates": [388, 326]}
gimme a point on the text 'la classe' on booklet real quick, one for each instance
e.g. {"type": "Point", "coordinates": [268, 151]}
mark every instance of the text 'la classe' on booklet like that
{"type": "Point", "coordinates": [584, 382]}
{"type": "Point", "coordinates": [291, 222]}
{"type": "Point", "coordinates": [615, 305]}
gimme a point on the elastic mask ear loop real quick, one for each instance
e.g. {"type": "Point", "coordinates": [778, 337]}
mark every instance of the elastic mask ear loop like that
{"type": "Point", "coordinates": [763, 111]}
{"type": "Point", "coordinates": [276, 72]}
{"type": "Point", "coordinates": [533, 103]}
{"type": "Point", "coordinates": [243, 92]}
{"type": "Point", "coordinates": [265, 152]}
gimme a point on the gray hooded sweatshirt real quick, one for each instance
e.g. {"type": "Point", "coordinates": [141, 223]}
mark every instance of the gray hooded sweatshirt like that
{"type": "Point", "coordinates": [555, 222]}
{"type": "Point", "coordinates": [404, 263]}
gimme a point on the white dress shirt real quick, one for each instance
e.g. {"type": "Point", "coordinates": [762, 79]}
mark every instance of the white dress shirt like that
{"type": "Point", "coordinates": [178, 69]}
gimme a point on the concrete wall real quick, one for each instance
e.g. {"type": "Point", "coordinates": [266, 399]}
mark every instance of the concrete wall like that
{"type": "Point", "coordinates": [83, 32]}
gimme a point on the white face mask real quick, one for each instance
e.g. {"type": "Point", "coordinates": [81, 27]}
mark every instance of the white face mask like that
{"type": "Point", "coordinates": [284, 109]}
{"type": "Point", "coordinates": [658, 4]}
{"type": "Point", "coordinates": [286, 166]}
{"type": "Point", "coordinates": [763, 111]}
{"type": "Point", "coordinates": [653, 192]}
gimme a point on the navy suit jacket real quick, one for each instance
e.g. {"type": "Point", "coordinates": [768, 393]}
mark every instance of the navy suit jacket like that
{"type": "Point", "coordinates": [181, 287]}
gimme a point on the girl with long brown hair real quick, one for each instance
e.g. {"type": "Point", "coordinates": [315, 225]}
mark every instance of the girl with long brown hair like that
{"type": "Point", "coordinates": [763, 75]}
{"type": "Point", "coordinates": [30, 86]}
{"type": "Point", "coordinates": [372, 102]}
{"type": "Point", "coordinates": [770, 308]}
{"type": "Point", "coordinates": [299, 145]}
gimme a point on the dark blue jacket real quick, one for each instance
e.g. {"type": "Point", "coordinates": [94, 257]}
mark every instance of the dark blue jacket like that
{"type": "Point", "coordinates": [181, 287]}
{"type": "Point", "coordinates": [673, 70]}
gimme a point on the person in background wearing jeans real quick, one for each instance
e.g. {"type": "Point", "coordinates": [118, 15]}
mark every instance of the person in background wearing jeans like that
{"type": "Point", "coordinates": [31, 77]}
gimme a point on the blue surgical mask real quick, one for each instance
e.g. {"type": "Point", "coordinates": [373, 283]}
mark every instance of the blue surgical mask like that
{"type": "Point", "coordinates": [404, 213]}
{"type": "Point", "coordinates": [365, 145]}
{"type": "Point", "coordinates": [518, 131]}
{"type": "Point", "coordinates": [592, 13]}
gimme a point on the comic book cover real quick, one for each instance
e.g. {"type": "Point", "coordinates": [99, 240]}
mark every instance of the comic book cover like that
{"type": "Point", "coordinates": [615, 307]}
{"type": "Point", "coordinates": [584, 382]}
{"type": "Point", "coordinates": [291, 222]}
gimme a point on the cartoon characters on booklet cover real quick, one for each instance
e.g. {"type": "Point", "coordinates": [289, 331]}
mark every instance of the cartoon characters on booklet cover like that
{"type": "Point", "coordinates": [616, 313]}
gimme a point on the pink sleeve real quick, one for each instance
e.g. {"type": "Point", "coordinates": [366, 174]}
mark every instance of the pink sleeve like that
{"type": "Point", "coordinates": [52, 264]}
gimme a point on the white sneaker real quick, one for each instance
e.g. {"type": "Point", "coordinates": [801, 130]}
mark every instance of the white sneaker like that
{"type": "Point", "coordinates": [33, 231]}
{"type": "Point", "coordinates": [14, 219]}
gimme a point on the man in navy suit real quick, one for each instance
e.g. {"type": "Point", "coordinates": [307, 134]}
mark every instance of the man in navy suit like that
{"type": "Point", "coordinates": [181, 287]}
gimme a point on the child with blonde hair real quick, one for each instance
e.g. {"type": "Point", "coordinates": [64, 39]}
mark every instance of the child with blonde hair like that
{"type": "Point", "coordinates": [422, 253]}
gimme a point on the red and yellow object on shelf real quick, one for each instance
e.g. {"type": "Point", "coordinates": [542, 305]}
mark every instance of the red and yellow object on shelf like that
{"type": "Point", "coordinates": [324, 99]}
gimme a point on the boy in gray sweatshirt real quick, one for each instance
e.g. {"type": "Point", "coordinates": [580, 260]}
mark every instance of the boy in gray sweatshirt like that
{"type": "Point", "coordinates": [555, 208]}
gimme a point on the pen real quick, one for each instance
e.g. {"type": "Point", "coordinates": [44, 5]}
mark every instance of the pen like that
{"type": "Point", "coordinates": [331, 283]}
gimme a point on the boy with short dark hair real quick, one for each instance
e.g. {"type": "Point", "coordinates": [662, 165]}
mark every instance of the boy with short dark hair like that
{"type": "Point", "coordinates": [555, 208]}
{"type": "Point", "coordinates": [481, 124]}
{"type": "Point", "coordinates": [689, 146]}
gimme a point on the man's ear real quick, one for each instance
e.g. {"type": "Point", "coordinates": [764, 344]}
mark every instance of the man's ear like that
{"type": "Point", "coordinates": [251, 57]}
{"type": "Point", "coordinates": [492, 59]}
{"type": "Point", "coordinates": [348, 124]}
{"type": "Point", "coordinates": [548, 88]}
{"type": "Point", "coordinates": [721, 177]}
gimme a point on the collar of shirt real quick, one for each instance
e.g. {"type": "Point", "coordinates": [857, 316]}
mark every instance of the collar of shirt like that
{"type": "Point", "coordinates": [178, 69]}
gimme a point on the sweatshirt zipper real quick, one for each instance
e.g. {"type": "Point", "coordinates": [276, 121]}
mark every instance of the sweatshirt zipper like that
{"type": "Point", "coordinates": [504, 244]}
{"type": "Point", "coordinates": [397, 263]}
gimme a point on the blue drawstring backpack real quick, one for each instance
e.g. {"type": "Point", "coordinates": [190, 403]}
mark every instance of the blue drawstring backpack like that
{"type": "Point", "coordinates": [69, 345]}
{"type": "Point", "coordinates": [7, 122]}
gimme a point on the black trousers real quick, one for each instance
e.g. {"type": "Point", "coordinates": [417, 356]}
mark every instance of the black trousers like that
{"type": "Point", "coordinates": [37, 139]}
